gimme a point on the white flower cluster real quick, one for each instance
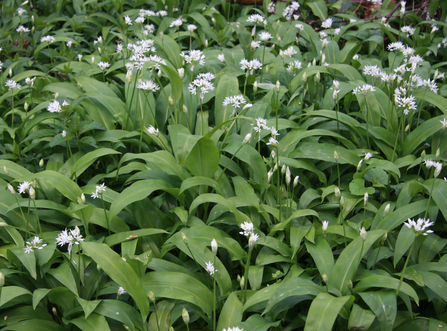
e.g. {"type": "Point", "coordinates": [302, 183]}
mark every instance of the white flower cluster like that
{"type": "Point", "coordinates": [103, 65]}
{"type": "Point", "coordinates": [248, 231]}
{"type": "Point", "coordinates": [372, 70]}
{"type": "Point", "coordinates": [141, 54]}
{"type": "Point", "coordinates": [153, 131]}
{"type": "Point", "coordinates": [288, 52]}
{"type": "Point", "coordinates": [235, 328]}
{"type": "Point", "coordinates": [178, 22]}
{"type": "Point", "coordinates": [289, 11]}
{"type": "Point", "coordinates": [364, 89]}
{"type": "Point", "coordinates": [54, 107]}
{"type": "Point", "coordinates": [24, 187]}
{"type": "Point", "coordinates": [99, 190]}
{"type": "Point", "coordinates": [235, 101]}
{"type": "Point", "coordinates": [72, 237]}
{"type": "Point", "coordinates": [12, 84]}
{"type": "Point", "coordinates": [261, 124]}
{"type": "Point", "coordinates": [210, 268]}
{"type": "Point", "coordinates": [420, 227]}
{"type": "Point", "coordinates": [257, 18]}
{"type": "Point", "coordinates": [250, 66]}
{"type": "Point", "coordinates": [96, 41]}
{"type": "Point", "coordinates": [203, 83]}
{"type": "Point", "coordinates": [294, 65]}
{"type": "Point", "coordinates": [148, 28]}
{"type": "Point", "coordinates": [437, 165]}
{"type": "Point", "coordinates": [265, 36]}
{"type": "Point", "coordinates": [36, 243]}
{"type": "Point", "coordinates": [327, 24]}
{"type": "Point", "coordinates": [148, 85]}
{"type": "Point", "coordinates": [194, 56]}
{"type": "Point", "coordinates": [271, 7]}
{"type": "Point", "coordinates": [401, 100]}
{"type": "Point", "coordinates": [49, 39]}
{"type": "Point", "coordinates": [408, 30]}
{"type": "Point", "coordinates": [21, 28]}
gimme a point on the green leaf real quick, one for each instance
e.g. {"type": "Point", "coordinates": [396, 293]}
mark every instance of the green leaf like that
{"type": "Point", "coordinates": [11, 292]}
{"type": "Point", "coordinates": [357, 187]}
{"type": "Point", "coordinates": [385, 282]}
{"type": "Point", "coordinates": [349, 259]}
{"type": "Point", "coordinates": [405, 239]}
{"type": "Point", "coordinates": [421, 133]}
{"type": "Point", "coordinates": [322, 255]}
{"type": "Point", "coordinates": [161, 320]}
{"type": "Point", "coordinates": [323, 311]}
{"type": "Point", "coordinates": [92, 323]}
{"type": "Point", "coordinates": [65, 276]}
{"type": "Point", "coordinates": [439, 193]}
{"type": "Point", "coordinates": [391, 220]}
{"type": "Point", "coordinates": [119, 271]}
{"type": "Point", "coordinates": [203, 160]}
{"type": "Point", "coordinates": [35, 325]}
{"type": "Point", "coordinates": [28, 260]}
{"type": "Point", "coordinates": [360, 319]}
{"type": "Point", "coordinates": [257, 323]}
{"type": "Point", "coordinates": [87, 160]}
{"type": "Point", "coordinates": [178, 286]}
{"type": "Point", "coordinates": [64, 185]}
{"type": "Point", "coordinates": [231, 312]}
{"type": "Point", "coordinates": [118, 238]}
{"type": "Point", "coordinates": [126, 313]}
{"type": "Point", "coordinates": [383, 304]}
{"type": "Point", "coordinates": [318, 8]}
{"type": "Point", "coordinates": [38, 295]}
{"type": "Point", "coordinates": [200, 180]}
{"type": "Point", "coordinates": [435, 283]}
{"type": "Point", "coordinates": [88, 306]}
{"type": "Point", "coordinates": [325, 152]}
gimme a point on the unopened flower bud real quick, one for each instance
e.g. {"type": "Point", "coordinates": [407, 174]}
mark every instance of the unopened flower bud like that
{"type": "Point", "coordinates": [365, 199]}
{"type": "Point", "coordinates": [386, 210]}
{"type": "Point", "coordinates": [288, 176]}
{"type": "Point", "coordinates": [304, 76]}
{"type": "Point", "coordinates": [185, 316]}
{"type": "Point", "coordinates": [295, 181]}
{"type": "Point", "coordinates": [363, 233]}
{"type": "Point", "coordinates": [336, 84]}
{"type": "Point", "coordinates": [384, 237]}
{"type": "Point", "coordinates": [213, 20]}
{"type": "Point", "coordinates": [437, 170]}
{"type": "Point", "coordinates": [317, 77]}
{"type": "Point", "coordinates": [41, 162]}
{"type": "Point", "coordinates": [206, 43]}
{"type": "Point", "coordinates": [335, 95]}
{"type": "Point", "coordinates": [126, 327]}
{"type": "Point", "coordinates": [314, 62]}
{"type": "Point", "coordinates": [337, 193]}
{"type": "Point", "coordinates": [423, 154]}
{"type": "Point", "coordinates": [283, 169]}
{"type": "Point", "coordinates": [247, 139]}
{"type": "Point", "coordinates": [336, 156]}
{"type": "Point", "coordinates": [359, 166]}
{"type": "Point", "coordinates": [10, 72]}
{"type": "Point", "coordinates": [171, 101]}
{"type": "Point", "coordinates": [214, 246]}
{"type": "Point", "coordinates": [269, 175]}
{"type": "Point", "coordinates": [323, 58]}
{"type": "Point", "coordinates": [185, 109]}
{"type": "Point", "coordinates": [273, 154]}
{"type": "Point", "coordinates": [438, 152]}
{"type": "Point", "coordinates": [342, 201]}
{"type": "Point", "coordinates": [32, 193]}
{"type": "Point", "coordinates": [82, 198]}
{"type": "Point", "coordinates": [242, 282]}
{"type": "Point", "coordinates": [255, 86]}
{"type": "Point", "coordinates": [350, 285]}
{"type": "Point", "coordinates": [185, 239]}
{"type": "Point", "coordinates": [99, 50]}
{"type": "Point", "coordinates": [56, 95]}
{"type": "Point", "coordinates": [151, 296]}
{"type": "Point", "coordinates": [325, 278]}
{"type": "Point", "coordinates": [11, 189]}
{"type": "Point", "coordinates": [2, 279]}
{"type": "Point", "coordinates": [26, 106]}
{"type": "Point", "coordinates": [162, 35]}
{"type": "Point", "coordinates": [32, 19]}
{"type": "Point", "coordinates": [5, 170]}
{"type": "Point", "coordinates": [181, 72]}
{"type": "Point", "coordinates": [93, 59]}
{"type": "Point", "coordinates": [407, 128]}
{"type": "Point", "coordinates": [159, 73]}
{"type": "Point", "coordinates": [278, 86]}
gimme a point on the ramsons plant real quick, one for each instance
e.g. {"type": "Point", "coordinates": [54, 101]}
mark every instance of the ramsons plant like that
{"type": "Point", "coordinates": [210, 165]}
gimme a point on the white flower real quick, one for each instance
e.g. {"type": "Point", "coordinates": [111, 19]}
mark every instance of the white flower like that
{"type": "Point", "coordinates": [289, 10]}
{"type": "Point", "coordinates": [300, 27]}
{"type": "Point", "coordinates": [153, 131]}
{"type": "Point", "coordinates": [337, 31]}
{"type": "Point", "coordinates": [444, 123]}
{"type": "Point", "coordinates": [372, 70]}
{"type": "Point", "coordinates": [11, 84]}
{"type": "Point", "coordinates": [21, 11]}
{"type": "Point", "coordinates": [408, 30]}
{"type": "Point", "coordinates": [70, 238]}
{"type": "Point", "coordinates": [162, 13]}
{"type": "Point", "coordinates": [103, 65]}
{"type": "Point", "coordinates": [250, 66]}
{"type": "Point", "coordinates": [202, 82]}
{"type": "Point", "coordinates": [191, 27]}
{"type": "Point", "coordinates": [178, 22]}
{"type": "Point", "coordinates": [420, 226]}
{"type": "Point", "coordinates": [368, 156]}
{"type": "Point", "coordinates": [363, 89]}
{"type": "Point", "coordinates": [273, 141]}
{"type": "Point", "coordinates": [54, 107]}
{"type": "Point", "coordinates": [248, 229]}
{"type": "Point", "coordinates": [139, 19]}
{"type": "Point", "coordinates": [49, 39]}
{"type": "Point", "coordinates": [325, 226]}
{"type": "Point", "coordinates": [65, 103]}
{"type": "Point", "coordinates": [64, 133]}
{"type": "Point", "coordinates": [235, 101]}
{"type": "Point", "coordinates": [235, 328]}
{"type": "Point", "coordinates": [271, 7]}
{"type": "Point", "coordinates": [265, 36]}
{"type": "Point", "coordinates": [214, 246]}
{"type": "Point", "coordinates": [36, 243]}
{"type": "Point", "coordinates": [23, 187]}
{"type": "Point", "coordinates": [290, 52]}
{"type": "Point", "coordinates": [194, 56]}
{"type": "Point", "coordinates": [257, 18]}
{"type": "Point", "coordinates": [221, 57]}
{"type": "Point", "coordinates": [127, 20]}
{"type": "Point", "coordinates": [327, 24]}
{"type": "Point", "coordinates": [21, 28]}
{"type": "Point", "coordinates": [69, 43]}
{"type": "Point", "coordinates": [99, 40]}
{"type": "Point", "coordinates": [365, 199]}
{"type": "Point", "coordinates": [252, 240]}
{"type": "Point", "coordinates": [121, 291]}
{"type": "Point", "coordinates": [255, 44]}
{"type": "Point", "coordinates": [148, 85]}
{"type": "Point", "coordinates": [99, 190]}
{"type": "Point", "coordinates": [210, 268]}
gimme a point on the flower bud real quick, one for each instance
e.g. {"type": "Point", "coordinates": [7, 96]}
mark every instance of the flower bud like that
{"type": "Point", "coordinates": [214, 246]}
{"type": "Point", "coordinates": [423, 154]}
{"type": "Point", "coordinates": [337, 193]}
{"type": "Point", "coordinates": [386, 210]}
{"type": "Point", "coordinates": [295, 181]}
{"type": "Point", "coordinates": [384, 237]}
{"type": "Point", "coordinates": [255, 86]}
{"type": "Point", "coordinates": [335, 95]}
{"type": "Point", "coordinates": [32, 193]}
{"type": "Point", "coordinates": [82, 198]}
{"type": "Point", "coordinates": [325, 278]}
{"type": "Point", "coordinates": [365, 199]}
{"type": "Point", "coordinates": [437, 170]}
{"type": "Point", "coordinates": [93, 59]}
{"type": "Point", "coordinates": [171, 101]}
{"type": "Point", "coordinates": [159, 73]}
{"type": "Point", "coordinates": [269, 175]}
{"type": "Point", "coordinates": [5, 170]}
{"type": "Point", "coordinates": [438, 152]}
{"type": "Point", "coordinates": [242, 282]}
{"type": "Point", "coordinates": [185, 239]}
{"type": "Point", "coordinates": [26, 106]}
{"type": "Point", "coordinates": [213, 20]}
{"type": "Point", "coordinates": [181, 72]}
{"type": "Point", "coordinates": [317, 77]}
{"type": "Point", "coordinates": [350, 285]}
{"type": "Point", "coordinates": [2, 279]}
{"type": "Point", "coordinates": [336, 84]}
{"type": "Point", "coordinates": [10, 72]}
{"type": "Point", "coordinates": [305, 76]}
{"type": "Point", "coordinates": [336, 156]}
{"type": "Point", "coordinates": [273, 154]}
{"type": "Point", "coordinates": [342, 201]}
{"type": "Point", "coordinates": [185, 109]}
{"type": "Point", "coordinates": [185, 316]}
{"type": "Point", "coordinates": [278, 86]}
{"type": "Point", "coordinates": [363, 233]}
{"type": "Point", "coordinates": [56, 95]}
{"type": "Point", "coordinates": [99, 50]}
{"type": "Point", "coordinates": [247, 139]}
{"type": "Point", "coordinates": [283, 169]}
{"type": "Point", "coordinates": [41, 163]}
{"type": "Point", "coordinates": [206, 43]}
{"type": "Point", "coordinates": [288, 176]}
{"type": "Point", "coordinates": [325, 226]}
{"type": "Point", "coordinates": [162, 35]}
{"type": "Point", "coordinates": [323, 58]}
{"type": "Point", "coordinates": [151, 296]}
{"type": "Point", "coordinates": [11, 189]}
{"type": "Point", "coordinates": [359, 166]}
{"type": "Point", "coordinates": [407, 128]}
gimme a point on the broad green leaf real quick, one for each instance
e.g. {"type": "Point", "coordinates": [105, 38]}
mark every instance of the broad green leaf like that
{"type": "Point", "coordinates": [65, 276]}
{"type": "Point", "coordinates": [138, 191]}
{"type": "Point", "coordinates": [161, 320]}
{"type": "Point", "coordinates": [38, 295]}
{"type": "Point", "coordinates": [28, 260]}
{"type": "Point", "coordinates": [34, 324]}
{"type": "Point", "coordinates": [323, 311]}
{"type": "Point", "coordinates": [439, 193]}
{"type": "Point", "coordinates": [357, 187]}
{"type": "Point", "coordinates": [296, 214]}
{"type": "Point", "coordinates": [325, 152]}
{"type": "Point", "coordinates": [385, 282]}
{"type": "Point", "coordinates": [178, 286]}
{"type": "Point", "coordinates": [87, 160]}
{"type": "Point", "coordinates": [435, 283]}
{"type": "Point", "coordinates": [349, 260]}
{"type": "Point", "coordinates": [257, 323]}
{"type": "Point", "coordinates": [405, 239]}
{"type": "Point", "coordinates": [88, 306]}
{"type": "Point", "coordinates": [11, 292]}
{"type": "Point", "coordinates": [391, 220]}
{"type": "Point", "coordinates": [421, 133]}
{"type": "Point", "coordinates": [200, 180]}
{"type": "Point", "coordinates": [318, 8]}
{"type": "Point", "coordinates": [92, 323]}
{"type": "Point", "coordinates": [322, 255]}
{"type": "Point", "coordinates": [231, 312]}
{"type": "Point", "coordinates": [119, 271]}
{"type": "Point", "coordinates": [126, 313]}
{"type": "Point", "coordinates": [360, 319]}
{"type": "Point", "coordinates": [383, 304]}
{"type": "Point", "coordinates": [23, 313]}
{"type": "Point", "coordinates": [203, 160]}
{"type": "Point", "coordinates": [259, 299]}
{"type": "Point", "coordinates": [432, 246]}
{"type": "Point", "coordinates": [118, 238]}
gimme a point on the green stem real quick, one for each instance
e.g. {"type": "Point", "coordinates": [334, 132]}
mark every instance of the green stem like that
{"type": "Point", "coordinates": [278, 183]}
{"type": "Point", "coordinates": [405, 268]}
{"type": "Point", "coordinates": [105, 213]}
{"type": "Point", "coordinates": [247, 266]}
{"type": "Point", "coordinates": [429, 198]}
{"type": "Point", "coordinates": [37, 215]}
{"type": "Point", "coordinates": [214, 298]}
